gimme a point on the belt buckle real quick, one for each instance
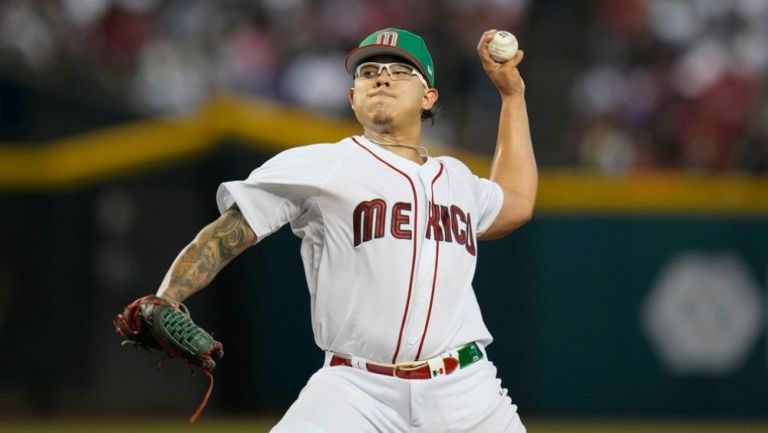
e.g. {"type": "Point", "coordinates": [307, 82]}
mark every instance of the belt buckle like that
{"type": "Point", "coordinates": [404, 366]}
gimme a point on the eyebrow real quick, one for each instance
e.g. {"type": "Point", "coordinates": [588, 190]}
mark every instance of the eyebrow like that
{"type": "Point", "coordinates": [388, 59]}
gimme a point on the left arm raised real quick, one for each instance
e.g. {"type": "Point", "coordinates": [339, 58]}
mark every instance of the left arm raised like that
{"type": "Point", "coordinates": [513, 166]}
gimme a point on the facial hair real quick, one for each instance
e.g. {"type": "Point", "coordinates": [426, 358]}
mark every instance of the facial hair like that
{"type": "Point", "coordinates": [382, 120]}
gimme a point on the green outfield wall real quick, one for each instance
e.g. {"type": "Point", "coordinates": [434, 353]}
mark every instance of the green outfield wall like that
{"type": "Point", "coordinates": [568, 299]}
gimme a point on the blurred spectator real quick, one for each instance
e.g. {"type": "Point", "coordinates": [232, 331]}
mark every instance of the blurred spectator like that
{"type": "Point", "coordinates": [155, 57]}
{"type": "Point", "coordinates": [753, 155]}
{"type": "Point", "coordinates": [664, 84]}
{"type": "Point", "coordinates": [25, 35]}
{"type": "Point", "coordinates": [318, 81]}
{"type": "Point", "coordinates": [686, 76]}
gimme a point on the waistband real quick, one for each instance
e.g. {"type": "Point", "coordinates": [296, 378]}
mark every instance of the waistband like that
{"type": "Point", "coordinates": [440, 365]}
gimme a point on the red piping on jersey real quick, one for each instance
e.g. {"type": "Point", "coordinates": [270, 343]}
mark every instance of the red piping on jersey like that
{"type": "Point", "coordinates": [413, 258]}
{"type": "Point", "coordinates": [434, 276]}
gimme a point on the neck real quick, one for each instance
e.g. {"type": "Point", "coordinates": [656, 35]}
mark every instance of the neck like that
{"type": "Point", "coordinates": [404, 145]}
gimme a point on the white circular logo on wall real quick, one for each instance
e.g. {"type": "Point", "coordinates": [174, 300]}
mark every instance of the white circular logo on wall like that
{"type": "Point", "coordinates": [703, 313]}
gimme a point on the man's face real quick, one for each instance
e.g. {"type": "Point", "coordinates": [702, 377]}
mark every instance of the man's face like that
{"type": "Point", "coordinates": [381, 102]}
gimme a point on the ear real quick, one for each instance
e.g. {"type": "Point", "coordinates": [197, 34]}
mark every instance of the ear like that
{"type": "Point", "coordinates": [429, 100]}
{"type": "Point", "coordinates": [352, 97]}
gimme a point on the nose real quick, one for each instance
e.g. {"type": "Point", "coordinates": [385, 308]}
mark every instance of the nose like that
{"type": "Point", "coordinates": [383, 79]}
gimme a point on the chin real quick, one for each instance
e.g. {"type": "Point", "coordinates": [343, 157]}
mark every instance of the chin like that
{"type": "Point", "coordinates": [382, 119]}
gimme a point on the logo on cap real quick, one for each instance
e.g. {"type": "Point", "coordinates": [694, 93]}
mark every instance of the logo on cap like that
{"type": "Point", "coordinates": [387, 38]}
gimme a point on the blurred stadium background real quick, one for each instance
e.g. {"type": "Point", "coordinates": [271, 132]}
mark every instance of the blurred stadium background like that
{"type": "Point", "coordinates": [635, 301]}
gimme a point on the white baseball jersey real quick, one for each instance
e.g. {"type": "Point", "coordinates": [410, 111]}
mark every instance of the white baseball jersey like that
{"type": "Point", "coordinates": [389, 246]}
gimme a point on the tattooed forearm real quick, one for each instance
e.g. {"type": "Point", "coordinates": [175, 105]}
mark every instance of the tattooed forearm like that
{"type": "Point", "coordinates": [214, 247]}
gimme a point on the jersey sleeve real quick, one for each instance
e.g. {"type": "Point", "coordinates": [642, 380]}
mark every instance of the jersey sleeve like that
{"type": "Point", "coordinates": [488, 194]}
{"type": "Point", "coordinates": [489, 197]}
{"type": "Point", "coordinates": [275, 193]}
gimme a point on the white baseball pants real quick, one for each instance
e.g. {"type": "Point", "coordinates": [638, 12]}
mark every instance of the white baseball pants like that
{"type": "Point", "coordinates": [348, 400]}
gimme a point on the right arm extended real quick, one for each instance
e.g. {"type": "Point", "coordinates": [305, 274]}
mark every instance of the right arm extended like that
{"type": "Point", "coordinates": [215, 246]}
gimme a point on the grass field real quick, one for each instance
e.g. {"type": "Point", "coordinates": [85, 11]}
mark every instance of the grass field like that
{"type": "Point", "coordinates": [263, 425]}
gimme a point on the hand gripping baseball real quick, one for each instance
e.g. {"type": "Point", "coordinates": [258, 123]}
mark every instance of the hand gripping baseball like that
{"type": "Point", "coordinates": [151, 322]}
{"type": "Point", "coordinates": [504, 75]}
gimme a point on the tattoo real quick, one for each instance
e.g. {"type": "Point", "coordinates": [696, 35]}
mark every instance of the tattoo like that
{"type": "Point", "coordinates": [214, 247]}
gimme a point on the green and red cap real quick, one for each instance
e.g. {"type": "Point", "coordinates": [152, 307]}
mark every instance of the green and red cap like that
{"type": "Point", "coordinates": [394, 42]}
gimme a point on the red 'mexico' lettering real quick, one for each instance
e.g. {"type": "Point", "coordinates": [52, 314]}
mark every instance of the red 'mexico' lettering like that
{"type": "Point", "coordinates": [433, 223]}
{"type": "Point", "coordinates": [444, 223]}
{"type": "Point", "coordinates": [366, 215]}
{"type": "Point", "coordinates": [398, 219]}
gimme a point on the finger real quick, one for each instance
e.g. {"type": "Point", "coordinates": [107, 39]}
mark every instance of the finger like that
{"type": "Point", "coordinates": [517, 58]}
{"type": "Point", "coordinates": [485, 38]}
{"type": "Point", "coordinates": [513, 62]}
{"type": "Point", "coordinates": [482, 47]}
{"type": "Point", "coordinates": [489, 34]}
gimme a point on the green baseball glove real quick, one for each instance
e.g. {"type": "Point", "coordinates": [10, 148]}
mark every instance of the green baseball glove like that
{"type": "Point", "coordinates": [151, 322]}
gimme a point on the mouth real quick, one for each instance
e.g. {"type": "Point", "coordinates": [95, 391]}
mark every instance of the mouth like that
{"type": "Point", "coordinates": [381, 93]}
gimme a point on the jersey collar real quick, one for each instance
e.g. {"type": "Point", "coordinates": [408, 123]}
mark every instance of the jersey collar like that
{"type": "Point", "coordinates": [388, 156]}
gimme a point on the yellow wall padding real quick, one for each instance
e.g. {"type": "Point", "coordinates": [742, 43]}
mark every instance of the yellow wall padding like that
{"type": "Point", "coordinates": [100, 155]}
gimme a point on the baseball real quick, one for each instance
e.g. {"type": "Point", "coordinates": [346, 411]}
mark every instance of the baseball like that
{"type": "Point", "coordinates": [503, 46]}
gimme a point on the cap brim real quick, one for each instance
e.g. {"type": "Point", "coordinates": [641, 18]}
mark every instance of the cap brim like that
{"type": "Point", "coordinates": [356, 56]}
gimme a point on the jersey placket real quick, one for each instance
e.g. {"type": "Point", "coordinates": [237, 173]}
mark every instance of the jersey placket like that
{"type": "Point", "coordinates": [426, 266]}
{"type": "Point", "coordinates": [408, 336]}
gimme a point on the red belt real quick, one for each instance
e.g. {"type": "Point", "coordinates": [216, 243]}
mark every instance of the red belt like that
{"type": "Point", "coordinates": [421, 369]}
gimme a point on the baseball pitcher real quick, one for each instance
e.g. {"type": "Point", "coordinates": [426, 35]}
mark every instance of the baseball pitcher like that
{"type": "Point", "coordinates": [389, 245]}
